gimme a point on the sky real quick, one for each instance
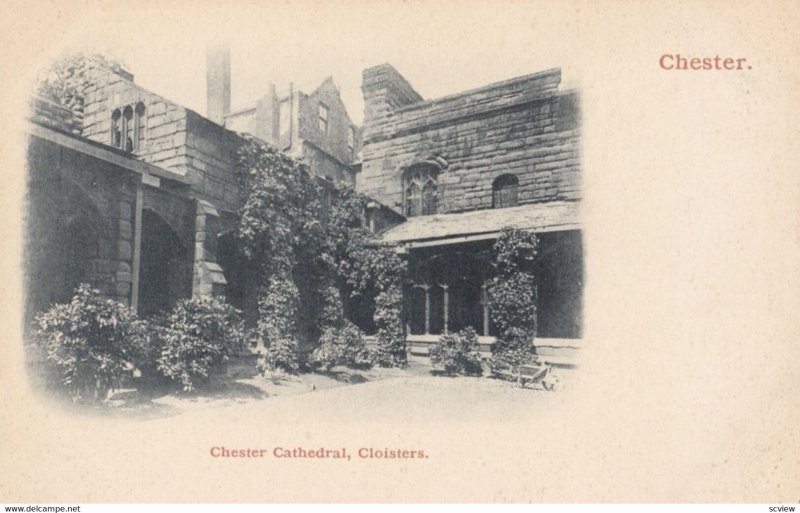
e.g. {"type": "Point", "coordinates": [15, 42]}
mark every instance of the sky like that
{"type": "Point", "coordinates": [441, 48]}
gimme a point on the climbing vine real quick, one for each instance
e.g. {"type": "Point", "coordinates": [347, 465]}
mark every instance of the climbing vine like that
{"type": "Point", "coordinates": [368, 272]}
{"type": "Point", "coordinates": [305, 242]}
{"type": "Point", "coordinates": [513, 295]}
{"type": "Point", "coordinates": [279, 232]}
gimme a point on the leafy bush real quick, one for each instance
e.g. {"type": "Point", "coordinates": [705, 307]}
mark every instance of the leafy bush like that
{"type": "Point", "coordinates": [355, 353]}
{"type": "Point", "coordinates": [91, 344]}
{"type": "Point", "coordinates": [196, 336]}
{"type": "Point", "coordinates": [342, 346]}
{"type": "Point", "coordinates": [282, 354]}
{"type": "Point", "coordinates": [456, 353]}
{"type": "Point", "coordinates": [340, 342]}
{"type": "Point", "coordinates": [512, 357]}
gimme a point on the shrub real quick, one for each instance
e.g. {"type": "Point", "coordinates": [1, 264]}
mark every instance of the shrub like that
{"type": "Point", "coordinates": [340, 341]}
{"type": "Point", "coordinates": [456, 353]}
{"type": "Point", "coordinates": [196, 336]}
{"type": "Point", "coordinates": [355, 353]}
{"type": "Point", "coordinates": [512, 357]}
{"type": "Point", "coordinates": [91, 344]}
{"type": "Point", "coordinates": [342, 346]}
{"type": "Point", "coordinates": [282, 354]}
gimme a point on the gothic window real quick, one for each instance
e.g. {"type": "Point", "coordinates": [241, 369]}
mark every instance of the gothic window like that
{"type": "Point", "coordinates": [420, 191]}
{"type": "Point", "coordinates": [413, 203]}
{"type": "Point", "coordinates": [127, 129]}
{"type": "Point", "coordinates": [429, 199]}
{"type": "Point", "coordinates": [116, 130]}
{"type": "Point", "coordinates": [504, 191]}
{"type": "Point", "coordinates": [139, 126]}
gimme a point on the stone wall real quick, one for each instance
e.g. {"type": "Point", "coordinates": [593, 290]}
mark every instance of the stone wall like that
{"type": "Point", "coordinates": [327, 154]}
{"type": "Point", "coordinates": [334, 142]}
{"type": "Point", "coordinates": [47, 113]}
{"type": "Point", "coordinates": [175, 138]}
{"type": "Point", "coordinates": [211, 157]}
{"type": "Point", "coordinates": [385, 90]}
{"type": "Point", "coordinates": [523, 126]}
{"type": "Point", "coordinates": [325, 166]}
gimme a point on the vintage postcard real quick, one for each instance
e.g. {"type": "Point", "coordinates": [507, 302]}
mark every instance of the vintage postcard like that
{"type": "Point", "coordinates": [401, 252]}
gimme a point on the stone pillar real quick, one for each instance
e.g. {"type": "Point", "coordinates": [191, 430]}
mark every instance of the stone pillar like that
{"type": "Point", "coordinates": [427, 289]}
{"type": "Point", "coordinates": [446, 307]}
{"type": "Point", "coordinates": [485, 305]}
{"type": "Point", "coordinates": [126, 244]}
{"type": "Point", "coordinates": [137, 247]}
{"type": "Point", "coordinates": [208, 278]}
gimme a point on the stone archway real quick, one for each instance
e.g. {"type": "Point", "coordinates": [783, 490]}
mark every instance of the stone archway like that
{"type": "Point", "coordinates": [66, 260]}
{"type": "Point", "coordinates": [79, 247]}
{"type": "Point", "coordinates": [241, 289]}
{"type": "Point", "coordinates": [64, 236]}
{"type": "Point", "coordinates": [165, 274]}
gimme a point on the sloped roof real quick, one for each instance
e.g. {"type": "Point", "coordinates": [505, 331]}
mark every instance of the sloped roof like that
{"type": "Point", "coordinates": [538, 217]}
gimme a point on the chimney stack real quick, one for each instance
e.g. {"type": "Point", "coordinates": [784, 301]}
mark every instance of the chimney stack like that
{"type": "Point", "coordinates": [385, 90]}
{"type": "Point", "coordinates": [218, 82]}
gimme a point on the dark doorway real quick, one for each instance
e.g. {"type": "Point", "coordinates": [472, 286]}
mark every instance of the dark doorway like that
{"type": "Point", "coordinates": [466, 308]}
{"type": "Point", "coordinates": [415, 309]}
{"type": "Point", "coordinates": [165, 268]}
{"type": "Point", "coordinates": [241, 275]}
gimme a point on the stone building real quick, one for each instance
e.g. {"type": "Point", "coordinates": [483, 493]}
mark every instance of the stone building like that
{"type": "Point", "coordinates": [145, 183]}
{"type": "Point", "coordinates": [138, 195]}
{"type": "Point", "coordinates": [314, 127]}
{"type": "Point", "coordinates": [462, 167]}
{"type": "Point", "coordinates": [97, 215]}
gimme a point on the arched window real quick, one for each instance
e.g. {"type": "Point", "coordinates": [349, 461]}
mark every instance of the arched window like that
{"type": "Point", "coordinates": [127, 129]}
{"type": "Point", "coordinates": [420, 191]}
{"type": "Point", "coordinates": [413, 196]}
{"type": "Point", "coordinates": [504, 191]}
{"type": "Point", "coordinates": [139, 124]}
{"type": "Point", "coordinates": [429, 198]}
{"type": "Point", "coordinates": [116, 131]}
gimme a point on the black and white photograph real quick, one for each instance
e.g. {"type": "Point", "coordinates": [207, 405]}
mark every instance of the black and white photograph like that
{"type": "Point", "coordinates": [439, 236]}
{"type": "Point", "coordinates": [401, 252]}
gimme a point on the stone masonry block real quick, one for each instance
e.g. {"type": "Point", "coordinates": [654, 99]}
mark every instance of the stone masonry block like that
{"type": "Point", "coordinates": [123, 289]}
{"type": "Point", "coordinates": [125, 250]}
